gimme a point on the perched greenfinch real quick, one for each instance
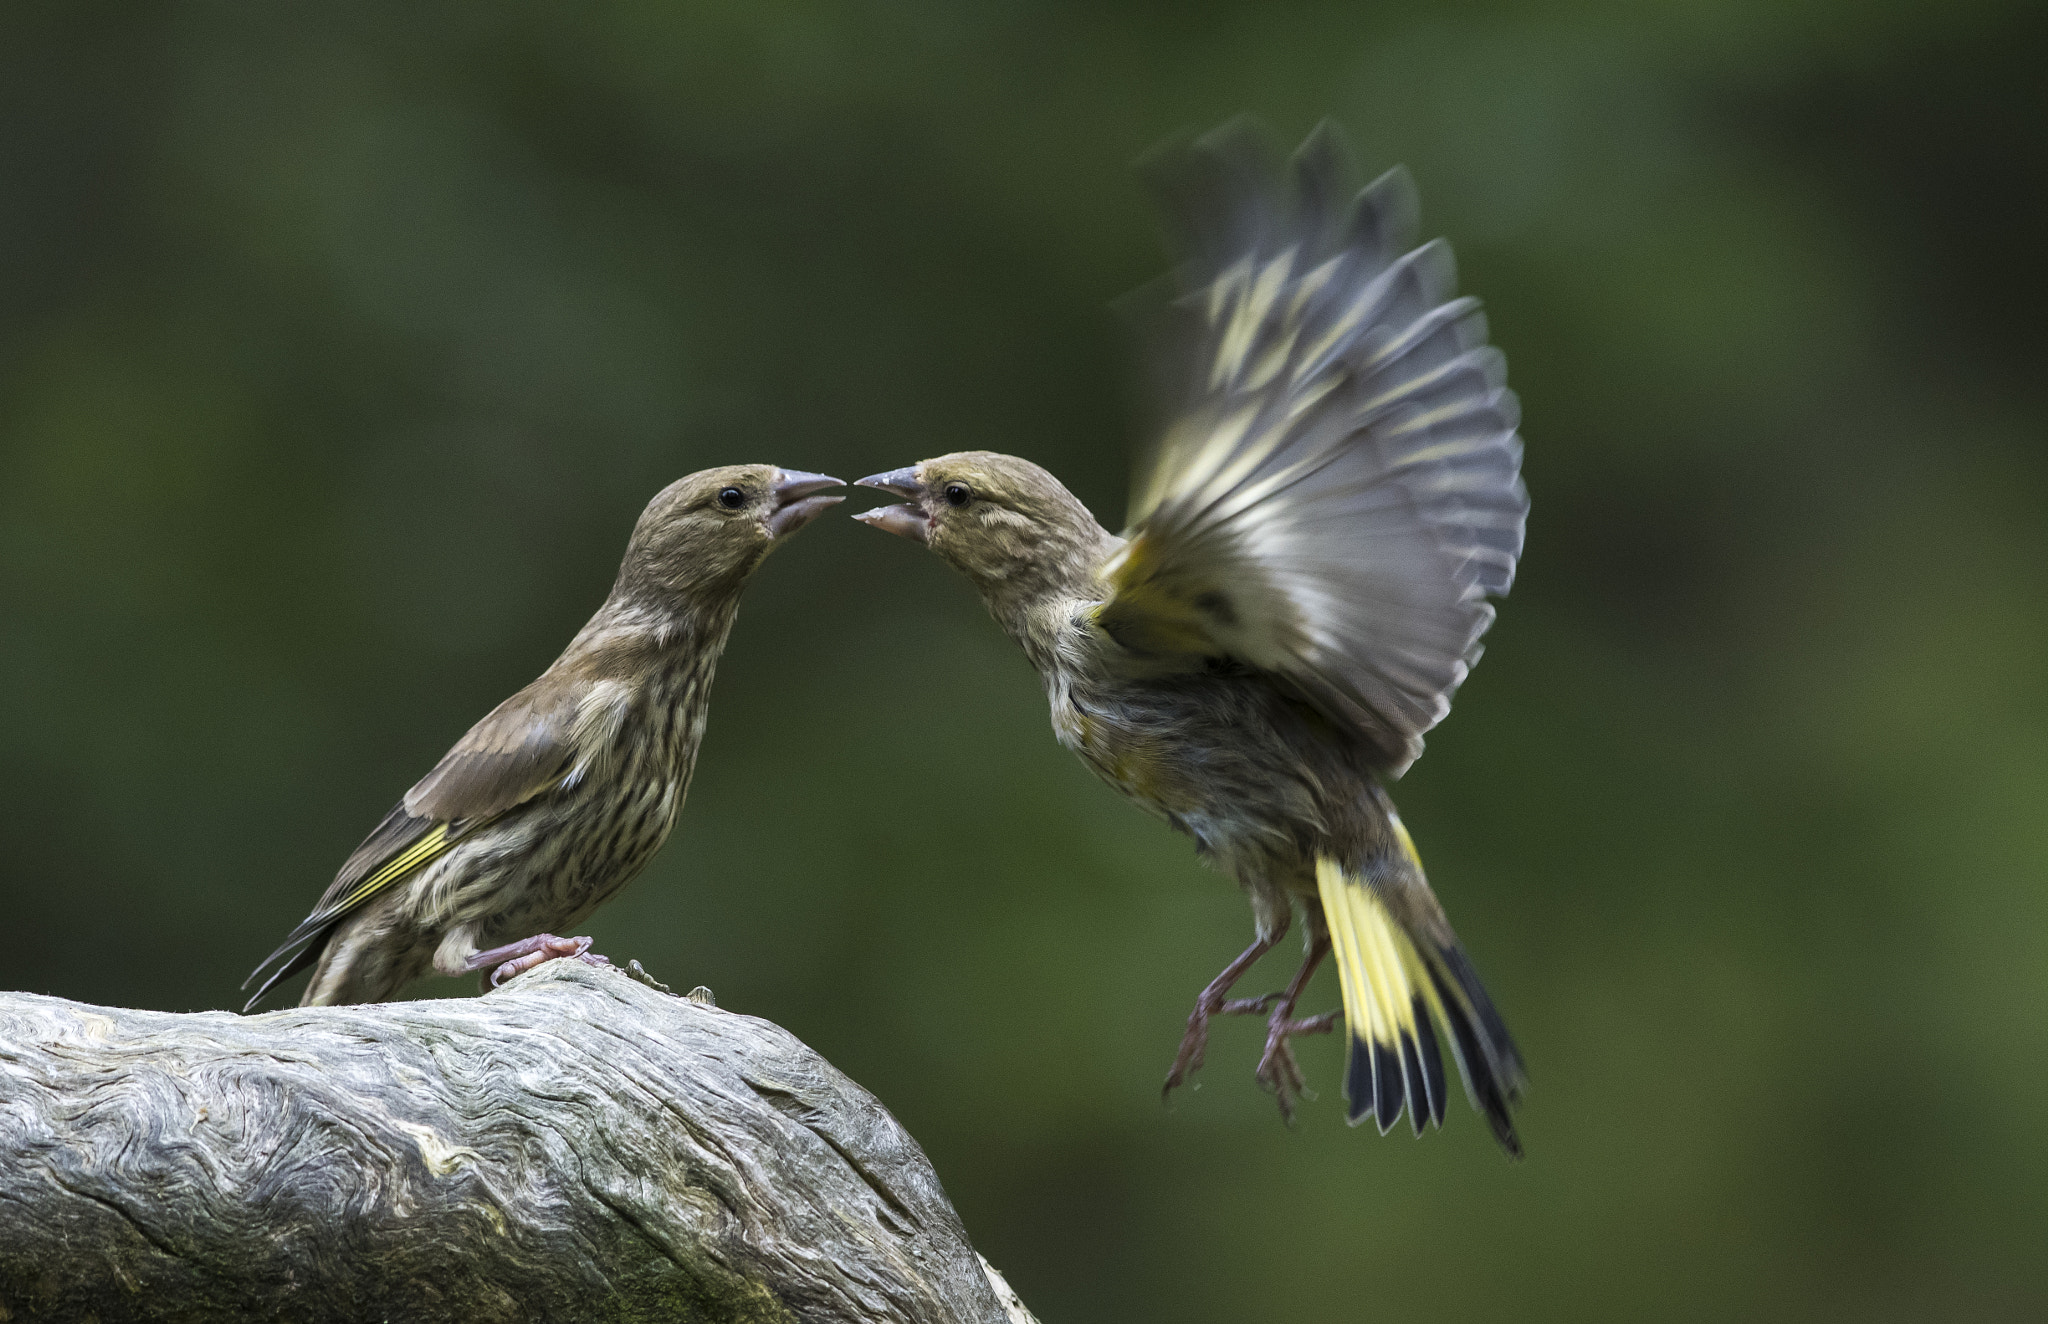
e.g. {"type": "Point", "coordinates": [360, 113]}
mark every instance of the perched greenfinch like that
{"type": "Point", "coordinates": [1301, 587]}
{"type": "Point", "coordinates": [562, 794]}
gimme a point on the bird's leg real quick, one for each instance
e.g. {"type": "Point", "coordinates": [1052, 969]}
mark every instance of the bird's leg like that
{"type": "Point", "coordinates": [1189, 1059]}
{"type": "Point", "coordinates": [1278, 1070]}
{"type": "Point", "coordinates": [516, 958]}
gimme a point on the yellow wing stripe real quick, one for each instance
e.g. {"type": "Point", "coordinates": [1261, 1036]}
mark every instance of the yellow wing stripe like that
{"type": "Point", "coordinates": [421, 852]}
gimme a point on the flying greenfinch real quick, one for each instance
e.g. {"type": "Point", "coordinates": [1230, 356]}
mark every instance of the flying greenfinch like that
{"type": "Point", "coordinates": [1300, 588]}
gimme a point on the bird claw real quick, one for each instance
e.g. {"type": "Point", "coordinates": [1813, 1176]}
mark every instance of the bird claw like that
{"type": "Point", "coordinates": [1188, 1060]}
{"type": "Point", "coordinates": [1195, 1042]}
{"type": "Point", "coordinates": [516, 958]}
{"type": "Point", "coordinates": [1211, 1003]}
{"type": "Point", "coordinates": [1278, 1072]}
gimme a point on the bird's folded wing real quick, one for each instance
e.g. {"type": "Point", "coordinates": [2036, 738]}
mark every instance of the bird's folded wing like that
{"type": "Point", "coordinates": [1338, 489]}
{"type": "Point", "coordinates": [525, 746]}
{"type": "Point", "coordinates": [400, 845]}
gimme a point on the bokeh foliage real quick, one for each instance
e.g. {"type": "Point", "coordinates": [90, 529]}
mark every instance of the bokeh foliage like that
{"type": "Point", "coordinates": [339, 347]}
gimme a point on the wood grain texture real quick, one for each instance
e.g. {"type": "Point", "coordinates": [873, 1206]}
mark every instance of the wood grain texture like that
{"type": "Point", "coordinates": [574, 1146]}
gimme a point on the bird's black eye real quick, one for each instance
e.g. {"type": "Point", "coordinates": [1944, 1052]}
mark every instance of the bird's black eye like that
{"type": "Point", "coordinates": [732, 498]}
{"type": "Point", "coordinates": [958, 494]}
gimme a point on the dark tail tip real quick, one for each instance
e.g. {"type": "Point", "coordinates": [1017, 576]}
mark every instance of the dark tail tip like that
{"type": "Point", "coordinates": [1486, 1055]}
{"type": "Point", "coordinates": [1432, 1061]}
{"type": "Point", "coordinates": [1383, 1079]}
{"type": "Point", "coordinates": [1358, 1090]}
{"type": "Point", "coordinates": [302, 958]}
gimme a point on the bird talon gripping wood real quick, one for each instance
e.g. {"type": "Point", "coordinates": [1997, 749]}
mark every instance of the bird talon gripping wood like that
{"type": "Point", "coordinates": [557, 799]}
{"type": "Point", "coordinates": [1300, 589]}
{"type": "Point", "coordinates": [516, 958]}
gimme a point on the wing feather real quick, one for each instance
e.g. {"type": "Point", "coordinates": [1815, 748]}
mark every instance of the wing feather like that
{"type": "Point", "coordinates": [525, 746]}
{"type": "Point", "coordinates": [1338, 490]}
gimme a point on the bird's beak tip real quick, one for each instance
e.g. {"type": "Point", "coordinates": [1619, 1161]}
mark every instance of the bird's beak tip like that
{"type": "Point", "coordinates": [897, 482]}
{"type": "Point", "coordinates": [796, 484]}
{"type": "Point", "coordinates": [797, 502]}
{"type": "Point", "coordinates": [903, 521]}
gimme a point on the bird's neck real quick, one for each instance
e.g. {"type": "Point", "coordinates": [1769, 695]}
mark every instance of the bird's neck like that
{"type": "Point", "coordinates": [1057, 567]}
{"type": "Point", "coordinates": [1041, 628]}
{"type": "Point", "coordinates": [655, 642]}
{"type": "Point", "coordinates": [1042, 620]}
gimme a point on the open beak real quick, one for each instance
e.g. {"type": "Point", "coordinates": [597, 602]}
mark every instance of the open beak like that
{"type": "Point", "coordinates": [796, 502]}
{"type": "Point", "coordinates": [907, 521]}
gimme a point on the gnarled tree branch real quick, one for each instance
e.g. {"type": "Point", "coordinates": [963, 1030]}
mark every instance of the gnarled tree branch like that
{"type": "Point", "coordinates": [574, 1146]}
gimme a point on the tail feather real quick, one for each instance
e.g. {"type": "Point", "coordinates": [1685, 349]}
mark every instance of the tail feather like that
{"type": "Point", "coordinates": [1427, 1066]}
{"type": "Point", "coordinates": [1397, 985]}
{"type": "Point", "coordinates": [309, 948]}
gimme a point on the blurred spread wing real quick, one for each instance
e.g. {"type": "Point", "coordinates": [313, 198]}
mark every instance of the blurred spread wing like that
{"type": "Point", "coordinates": [1338, 489]}
{"type": "Point", "coordinates": [523, 747]}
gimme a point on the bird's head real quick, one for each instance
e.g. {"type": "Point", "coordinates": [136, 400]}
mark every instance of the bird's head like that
{"type": "Point", "coordinates": [1005, 523]}
{"type": "Point", "coordinates": [704, 534]}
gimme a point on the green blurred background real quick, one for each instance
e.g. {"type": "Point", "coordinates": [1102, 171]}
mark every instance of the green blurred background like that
{"type": "Point", "coordinates": [340, 346]}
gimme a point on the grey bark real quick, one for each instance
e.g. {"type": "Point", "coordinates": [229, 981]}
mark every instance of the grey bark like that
{"type": "Point", "coordinates": [574, 1146]}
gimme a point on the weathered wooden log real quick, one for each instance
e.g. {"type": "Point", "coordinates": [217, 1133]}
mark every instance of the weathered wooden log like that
{"type": "Point", "coordinates": [574, 1146]}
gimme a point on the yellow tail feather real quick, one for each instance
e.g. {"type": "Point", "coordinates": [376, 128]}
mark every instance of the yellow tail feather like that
{"type": "Point", "coordinates": [1398, 987]}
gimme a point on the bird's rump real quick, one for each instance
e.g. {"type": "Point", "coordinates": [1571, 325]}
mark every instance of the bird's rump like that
{"type": "Point", "coordinates": [1337, 490]}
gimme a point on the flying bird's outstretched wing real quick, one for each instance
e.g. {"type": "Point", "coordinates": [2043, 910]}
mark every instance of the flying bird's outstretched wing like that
{"type": "Point", "coordinates": [1338, 489]}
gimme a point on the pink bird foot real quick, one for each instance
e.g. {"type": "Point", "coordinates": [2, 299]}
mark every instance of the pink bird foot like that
{"type": "Point", "coordinates": [516, 958]}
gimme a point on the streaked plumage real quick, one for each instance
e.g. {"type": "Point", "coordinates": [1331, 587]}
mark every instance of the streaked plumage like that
{"type": "Point", "coordinates": [1300, 589]}
{"type": "Point", "coordinates": [559, 796]}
